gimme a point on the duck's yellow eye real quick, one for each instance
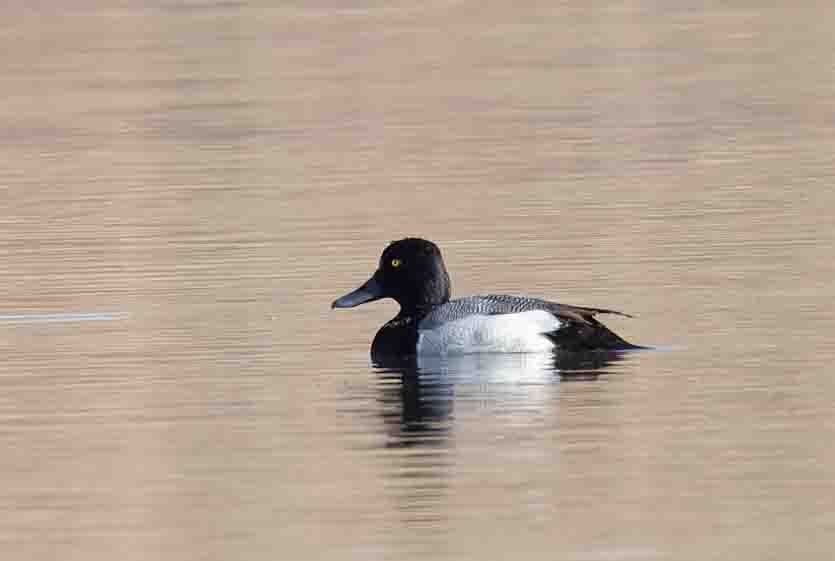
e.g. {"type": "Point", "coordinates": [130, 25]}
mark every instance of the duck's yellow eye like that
{"type": "Point", "coordinates": [396, 262]}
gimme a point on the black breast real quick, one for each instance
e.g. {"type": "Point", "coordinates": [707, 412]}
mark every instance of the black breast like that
{"type": "Point", "coordinates": [396, 338]}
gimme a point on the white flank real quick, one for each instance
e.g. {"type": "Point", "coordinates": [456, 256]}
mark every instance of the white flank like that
{"type": "Point", "coordinates": [505, 333]}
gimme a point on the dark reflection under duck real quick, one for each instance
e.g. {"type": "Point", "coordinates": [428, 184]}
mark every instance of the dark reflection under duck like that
{"type": "Point", "coordinates": [418, 393]}
{"type": "Point", "coordinates": [416, 405]}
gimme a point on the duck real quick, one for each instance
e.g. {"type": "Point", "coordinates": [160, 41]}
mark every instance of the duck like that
{"type": "Point", "coordinates": [411, 271]}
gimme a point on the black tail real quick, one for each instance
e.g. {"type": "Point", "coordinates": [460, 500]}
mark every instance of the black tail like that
{"type": "Point", "coordinates": [589, 335]}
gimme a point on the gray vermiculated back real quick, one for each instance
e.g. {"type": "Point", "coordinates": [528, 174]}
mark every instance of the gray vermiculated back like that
{"type": "Point", "coordinates": [491, 304]}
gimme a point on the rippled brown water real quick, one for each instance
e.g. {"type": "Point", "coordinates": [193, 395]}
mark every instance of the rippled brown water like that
{"type": "Point", "coordinates": [187, 186]}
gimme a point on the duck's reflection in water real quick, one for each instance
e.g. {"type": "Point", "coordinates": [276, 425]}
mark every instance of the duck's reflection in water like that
{"type": "Point", "coordinates": [419, 396]}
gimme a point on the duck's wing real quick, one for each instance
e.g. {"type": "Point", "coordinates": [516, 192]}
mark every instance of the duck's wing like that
{"type": "Point", "coordinates": [499, 304]}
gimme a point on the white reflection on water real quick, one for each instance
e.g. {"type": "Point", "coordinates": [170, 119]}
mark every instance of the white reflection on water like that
{"type": "Point", "coordinates": [59, 317]}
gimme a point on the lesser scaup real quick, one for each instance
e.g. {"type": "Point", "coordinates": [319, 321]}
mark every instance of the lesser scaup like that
{"type": "Point", "coordinates": [412, 272]}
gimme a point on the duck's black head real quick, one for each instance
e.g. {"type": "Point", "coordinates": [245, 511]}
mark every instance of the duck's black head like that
{"type": "Point", "coordinates": [412, 272]}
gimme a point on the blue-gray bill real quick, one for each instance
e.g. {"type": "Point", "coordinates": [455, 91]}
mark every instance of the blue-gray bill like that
{"type": "Point", "coordinates": [368, 292]}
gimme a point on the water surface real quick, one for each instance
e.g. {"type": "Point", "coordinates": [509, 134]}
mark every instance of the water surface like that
{"type": "Point", "coordinates": [203, 179]}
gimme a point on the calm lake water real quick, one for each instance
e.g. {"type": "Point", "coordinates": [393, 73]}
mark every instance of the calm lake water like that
{"type": "Point", "coordinates": [187, 186]}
